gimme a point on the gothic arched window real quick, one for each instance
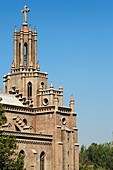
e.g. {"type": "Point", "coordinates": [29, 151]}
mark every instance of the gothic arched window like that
{"type": "Point", "coordinates": [25, 54]}
{"type": "Point", "coordinates": [25, 121]}
{"type": "Point", "coordinates": [22, 152]}
{"type": "Point", "coordinates": [29, 90]}
{"type": "Point", "coordinates": [42, 160]}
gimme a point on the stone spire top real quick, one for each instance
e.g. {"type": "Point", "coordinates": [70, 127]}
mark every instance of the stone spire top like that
{"type": "Point", "coordinates": [51, 85]}
{"type": "Point", "coordinates": [25, 10]}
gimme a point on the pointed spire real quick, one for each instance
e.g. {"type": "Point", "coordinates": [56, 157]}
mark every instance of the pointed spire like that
{"type": "Point", "coordinates": [25, 10]}
{"type": "Point", "coordinates": [38, 66]}
{"type": "Point", "coordinates": [35, 31]}
{"type": "Point", "coordinates": [72, 103]}
{"type": "Point", "coordinates": [51, 85]}
{"type": "Point", "coordinates": [13, 65]}
{"type": "Point", "coordinates": [60, 88]}
{"type": "Point", "coordinates": [71, 98]}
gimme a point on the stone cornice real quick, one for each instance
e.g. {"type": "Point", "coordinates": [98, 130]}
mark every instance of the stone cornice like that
{"type": "Point", "coordinates": [34, 142]}
{"type": "Point", "coordinates": [28, 136]}
{"type": "Point", "coordinates": [38, 110]}
{"type": "Point", "coordinates": [26, 72]}
{"type": "Point", "coordinates": [28, 110]}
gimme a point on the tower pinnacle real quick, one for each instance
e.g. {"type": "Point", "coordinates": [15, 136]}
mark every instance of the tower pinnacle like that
{"type": "Point", "coordinates": [25, 10]}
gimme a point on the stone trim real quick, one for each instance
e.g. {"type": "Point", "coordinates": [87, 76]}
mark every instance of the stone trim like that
{"type": "Point", "coordinates": [24, 135]}
{"type": "Point", "coordinates": [74, 128]}
{"type": "Point", "coordinates": [74, 113]}
{"type": "Point", "coordinates": [30, 111]}
{"type": "Point", "coordinates": [60, 143]}
{"type": "Point", "coordinates": [44, 109]}
{"type": "Point", "coordinates": [33, 142]}
{"type": "Point", "coordinates": [39, 110]}
{"type": "Point", "coordinates": [76, 144]}
{"type": "Point", "coordinates": [18, 109]}
{"type": "Point", "coordinates": [63, 113]}
{"type": "Point", "coordinates": [27, 72]}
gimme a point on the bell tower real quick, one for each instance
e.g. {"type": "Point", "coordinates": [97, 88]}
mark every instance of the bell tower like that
{"type": "Point", "coordinates": [25, 78]}
{"type": "Point", "coordinates": [25, 45]}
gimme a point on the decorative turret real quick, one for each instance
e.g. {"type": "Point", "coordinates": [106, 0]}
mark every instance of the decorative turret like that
{"type": "Point", "coordinates": [38, 67]}
{"type": "Point", "coordinates": [61, 88]}
{"type": "Point", "coordinates": [35, 30]}
{"type": "Point", "coordinates": [13, 65]}
{"type": "Point", "coordinates": [51, 85]}
{"type": "Point", "coordinates": [72, 103]}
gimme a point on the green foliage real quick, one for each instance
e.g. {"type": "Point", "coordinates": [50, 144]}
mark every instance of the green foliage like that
{"type": "Point", "coordinates": [2, 116]}
{"type": "Point", "coordinates": [20, 162]}
{"type": "Point", "coordinates": [96, 157]}
{"type": "Point", "coordinates": [9, 157]}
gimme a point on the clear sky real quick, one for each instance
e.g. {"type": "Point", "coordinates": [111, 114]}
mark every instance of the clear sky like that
{"type": "Point", "coordinates": [75, 47]}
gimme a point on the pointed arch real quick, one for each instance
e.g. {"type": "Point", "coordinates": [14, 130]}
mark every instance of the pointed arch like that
{"type": "Point", "coordinates": [22, 152]}
{"type": "Point", "coordinates": [29, 90]}
{"type": "Point", "coordinates": [42, 160]}
{"type": "Point", "coordinates": [25, 121]}
{"type": "Point", "coordinates": [25, 54]}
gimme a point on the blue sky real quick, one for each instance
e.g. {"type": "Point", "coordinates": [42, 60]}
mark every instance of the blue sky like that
{"type": "Point", "coordinates": [75, 47]}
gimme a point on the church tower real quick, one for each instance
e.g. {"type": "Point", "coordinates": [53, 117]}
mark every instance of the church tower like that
{"type": "Point", "coordinates": [45, 130]}
{"type": "Point", "coordinates": [25, 45]}
{"type": "Point", "coordinates": [25, 78]}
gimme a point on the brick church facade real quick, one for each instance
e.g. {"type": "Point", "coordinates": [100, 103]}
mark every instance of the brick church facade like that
{"type": "Point", "coordinates": [45, 130]}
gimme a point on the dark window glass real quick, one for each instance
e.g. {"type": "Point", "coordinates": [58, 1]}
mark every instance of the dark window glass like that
{"type": "Point", "coordinates": [25, 54]}
{"type": "Point", "coordinates": [29, 86]}
{"type": "Point", "coordinates": [42, 156]}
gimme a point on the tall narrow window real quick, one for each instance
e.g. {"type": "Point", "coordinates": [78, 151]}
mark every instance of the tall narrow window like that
{"type": "Point", "coordinates": [22, 154]}
{"type": "Point", "coordinates": [25, 54]}
{"type": "Point", "coordinates": [29, 87]}
{"type": "Point", "coordinates": [42, 156]}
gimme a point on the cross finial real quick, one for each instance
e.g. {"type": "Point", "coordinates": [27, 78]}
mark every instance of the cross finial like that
{"type": "Point", "coordinates": [25, 10]}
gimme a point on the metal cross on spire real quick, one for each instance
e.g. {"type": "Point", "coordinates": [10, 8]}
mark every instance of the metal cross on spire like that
{"type": "Point", "coordinates": [25, 10]}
